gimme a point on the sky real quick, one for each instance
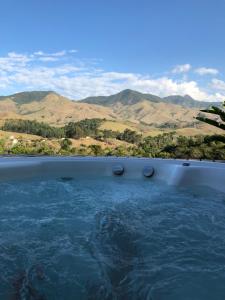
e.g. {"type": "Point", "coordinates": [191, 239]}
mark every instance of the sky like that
{"type": "Point", "coordinates": [82, 48]}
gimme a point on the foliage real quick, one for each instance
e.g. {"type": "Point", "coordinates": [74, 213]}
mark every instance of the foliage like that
{"type": "Point", "coordinates": [65, 144]}
{"type": "Point", "coordinates": [95, 150]}
{"type": "Point", "coordinates": [129, 136]}
{"type": "Point", "coordinates": [199, 147]}
{"type": "Point", "coordinates": [33, 127]}
{"type": "Point", "coordinates": [216, 111]}
{"type": "Point", "coordinates": [107, 134]}
{"type": "Point", "coordinates": [166, 145]}
{"type": "Point", "coordinates": [87, 127]}
{"type": "Point", "coordinates": [2, 144]}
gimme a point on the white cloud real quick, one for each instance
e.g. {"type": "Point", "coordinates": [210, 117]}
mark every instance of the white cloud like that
{"type": "Point", "coordinates": [218, 84]}
{"type": "Point", "coordinates": [59, 53]}
{"type": "Point", "coordinates": [206, 71]}
{"type": "Point", "coordinates": [81, 78]}
{"type": "Point", "coordinates": [39, 53]}
{"type": "Point", "coordinates": [48, 58]}
{"type": "Point", "coordinates": [219, 87]}
{"type": "Point", "coordinates": [73, 51]}
{"type": "Point", "coordinates": [181, 69]}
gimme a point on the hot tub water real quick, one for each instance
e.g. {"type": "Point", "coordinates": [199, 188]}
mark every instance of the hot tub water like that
{"type": "Point", "coordinates": [110, 238]}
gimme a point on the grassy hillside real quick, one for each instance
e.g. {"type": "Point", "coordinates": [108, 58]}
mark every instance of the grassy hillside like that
{"type": "Point", "coordinates": [144, 113]}
{"type": "Point", "coordinates": [27, 97]}
{"type": "Point", "coordinates": [118, 126]}
{"type": "Point", "coordinates": [51, 108]}
{"type": "Point", "coordinates": [125, 124]}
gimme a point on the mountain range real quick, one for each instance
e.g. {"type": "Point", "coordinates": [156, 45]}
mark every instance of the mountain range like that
{"type": "Point", "coordinates": [132, 97]}
{"type": "Point", "coordinates": [129, 108]}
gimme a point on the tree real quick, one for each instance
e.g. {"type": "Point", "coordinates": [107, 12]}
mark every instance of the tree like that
{"type": "Point", "coordinates": [2, 144]}
{"type": "Point", "coordinates": [72, 130]}
{"type": "Point", "coordinates": [216, 111]}
{"type": "Point", "coordinates": [83, 128]}
{"type": "Point", "coordinates": [96, 150]}
{"type": "Point", "coordinates": [33, 127]}
{"type": "Point", "coordinates": [129, 136]}
{"type": "Point", "coordinates": [65, 144]}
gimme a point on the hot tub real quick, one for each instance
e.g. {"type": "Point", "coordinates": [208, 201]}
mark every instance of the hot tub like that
{"type": "Point", "coordinates": [111, 228]}
{"type": "Point", "coordinates": [172, 172]}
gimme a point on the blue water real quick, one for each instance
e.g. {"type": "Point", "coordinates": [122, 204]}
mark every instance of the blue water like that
{"type": "Point", "coordinates": [110, 238]}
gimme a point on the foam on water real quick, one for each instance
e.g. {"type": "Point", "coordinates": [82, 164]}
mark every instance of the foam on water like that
{"type": "Point", "coordinates": [110, 238]}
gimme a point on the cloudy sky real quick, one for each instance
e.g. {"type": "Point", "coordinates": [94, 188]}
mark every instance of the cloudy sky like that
{"type": "Point", "coordinates": [95, 47]}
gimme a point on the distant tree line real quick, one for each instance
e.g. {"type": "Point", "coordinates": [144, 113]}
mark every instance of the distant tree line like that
{"type": "Point", "coordinates": [74, 130]}
{"type": "Point", "coordinates": [33, 127]}
{"type": "Point", "coordinates": [166, 145]}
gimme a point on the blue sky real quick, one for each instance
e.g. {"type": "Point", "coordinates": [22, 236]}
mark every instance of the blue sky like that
{"type": "Point", "coordinates": [96, 47]}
